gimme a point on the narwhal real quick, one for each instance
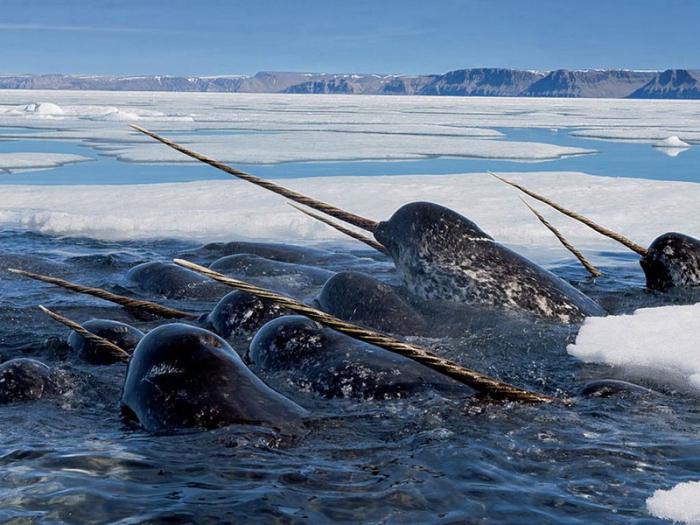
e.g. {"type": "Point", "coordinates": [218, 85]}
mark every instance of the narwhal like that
{"type": "Point", "coordinates": [178, 376]}
{"type": "Point", "coordinates": [443, 256]}
{"type": "Point", "coordinates": [671, 261]}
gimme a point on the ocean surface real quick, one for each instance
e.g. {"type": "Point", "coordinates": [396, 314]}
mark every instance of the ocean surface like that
{"type": "Point", "coordinates": [428, 458]}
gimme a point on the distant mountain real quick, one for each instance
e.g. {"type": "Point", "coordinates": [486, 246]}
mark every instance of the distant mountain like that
{"type": "Point", "coordinates": [482, 82]}
{"type": "Point", "coordinates": [139, 83]}
{"type": "Point", "coordinates": [363, 84]}
{"type": "Point", "coordinates": [487, 82]}
{"type": "Point", "coordinates": [672, 83]}
{"type": "Point", "coordinates": [609, 83]}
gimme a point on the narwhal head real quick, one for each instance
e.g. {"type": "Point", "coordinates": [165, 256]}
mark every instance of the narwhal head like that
{"type": "Point", "coordinates": [425, 228]}
{"type": "Point", "coordinates": [672, 260]}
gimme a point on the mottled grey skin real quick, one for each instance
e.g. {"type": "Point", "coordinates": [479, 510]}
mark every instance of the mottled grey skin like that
{"type": "Point", "coordinates": [672, 261]}
{"type": "Point", "coordinates": [361, 299]}
{"type": "Point", "coordinates": [336, 366]}
{"type": "Point", "coordinates": [123, 335]}
{"type": "Point", "coordinates": [25, 379]}
{"type": "Point", "coordinates": [612, 387]}
{"type": "Point", "coordinates": [174, 282]}
{"type": "Point", "coordinates": [181, 376]}
{"type": "Point", "coordinates": [248, 265]}
{"type": "Point", "coordinates": [444, 256]}
{"type": "Point", "coordinates": [241, 314]}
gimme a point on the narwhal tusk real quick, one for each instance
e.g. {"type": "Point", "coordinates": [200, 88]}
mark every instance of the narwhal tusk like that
{"type": "Point", "coordinates": [328, 209]}
{"type": "Point", "coordinates": [342, 229]}
{"type": "Point", "coordinates": [582, 258]}
{"type": "Point", "coordinates": [480, 382]}
{"type": "Point", "coordinates": [98, 341]}
{"type": "Point", "coordinates": [585, 220]}
{"type": "Point", "coordinates": [127, 302]}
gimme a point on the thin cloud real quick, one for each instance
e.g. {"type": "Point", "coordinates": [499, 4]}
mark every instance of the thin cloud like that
{"type": "Point", "coordinates": [69, 28]}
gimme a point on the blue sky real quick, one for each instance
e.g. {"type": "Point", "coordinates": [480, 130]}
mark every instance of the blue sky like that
{"type": "Point", "coordinates": [201, 37]}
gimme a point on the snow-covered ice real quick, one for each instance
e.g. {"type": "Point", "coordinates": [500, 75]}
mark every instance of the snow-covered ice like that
{"type": "Point", "coordinates": [337, 127]}
{"type": "Point", "coordinates": [309, 146]}
{"type": "Point", "coordinates": [671, 146]}
{"type": "Point", "coordinates": [671, 142]}
{"type": "Point", "coordinates": [233, 209]}
{"type": "Point", "coordinates": [30, 161]}
{"type": "Point", "coordinates": [43, 108]}
{"type": "Point", "coordinates": [660, 344]}
{"type": "Point", "coordinates": [680, 504]}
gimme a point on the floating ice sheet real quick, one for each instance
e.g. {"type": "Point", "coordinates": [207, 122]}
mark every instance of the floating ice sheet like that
{"type": "Point", "coordinates": [339, 127]}
{"type": "Point", "coordinates": [671, 142]}
{"type": "Point", "coordinates": [14, 162]}
{"type": "Point", "coordinates": [660, 344]}
{"type": "Point", "coordinates": [223, 209]}
{"type": "Point", "coordinates": [307, 146]}
{"type": "Point", "coordinates": [680, 504]}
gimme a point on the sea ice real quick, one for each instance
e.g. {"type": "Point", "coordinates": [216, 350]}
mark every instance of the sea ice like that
{"type": "Point", "coordinates": [679, 504]}
{"type": "Point", "coordinates": [233, 209]}
{"type": "Point", "coordinates": [43, 108]}
{"type": "Point", "coordinates": [671, 142]}
{"type": "Point", "coordinates": [430, 125]}
{"type": "Point", "coordinates": [13, 162]}
{"type": "Point", "coordinates": [298, 146]}
{"type": "Point", "coordinates": [659, 344]}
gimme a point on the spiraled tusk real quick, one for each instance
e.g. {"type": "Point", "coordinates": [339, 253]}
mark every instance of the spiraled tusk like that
{"type": "Point", "coordinates": [98, 341]}
{"type": "Point", "coordinates": [480, 382]}
{"type": "Point", "coordinates": [342, 229]}
{"type": "Point", "coordinates": [127, 302]}
{"type": "Point", "coordinates": [582, 258]}
{"type": "Point", "coordinates": [328, 209]}
{"type": "Point", "coordinates": [577, 216]}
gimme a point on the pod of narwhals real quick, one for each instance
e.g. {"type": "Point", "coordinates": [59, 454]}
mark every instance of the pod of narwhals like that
{"type": "Point", "coordinates": [195, 373]}
{"type": "Point", "coordinates": [189, 375]}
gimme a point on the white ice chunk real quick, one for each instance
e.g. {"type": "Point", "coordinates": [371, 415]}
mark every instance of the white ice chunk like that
{"type": "Point", "coordinates": [120, 115]}
{"type": "Point", "coordinates": [680, 504]}
{"type": "Point", "coordinates": [12, 162]}
{"type": "Point", "coordinates": [660, 344]}
{"type": "Point", "coordinates": [44, 108]}
{"type": "Point", "coordinates": [671, 142]}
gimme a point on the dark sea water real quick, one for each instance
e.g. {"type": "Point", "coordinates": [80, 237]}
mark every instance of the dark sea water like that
{"type": "Point", "coordinates": [429, 458]}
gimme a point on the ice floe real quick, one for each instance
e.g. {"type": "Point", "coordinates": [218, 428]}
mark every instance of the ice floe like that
{"type": "Point", "coordinates": [671, 146]}
{"type": "Point", "coordinates": [680, 504]}
{"type": "Point", "coordinates": [671, 142]}
{"type": "Point", "coordinates": [43, 108]}
{"type": "Point", "coordinates": [31, 161]}
{"type": "Point", "coordinates": [660, 344]}
{"type": "Point", "coordinates": [233, 209]}
{"type": "Point", "coordinates": [342, 127]}
{"type": "Point", "coordinates": [298, 146]}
